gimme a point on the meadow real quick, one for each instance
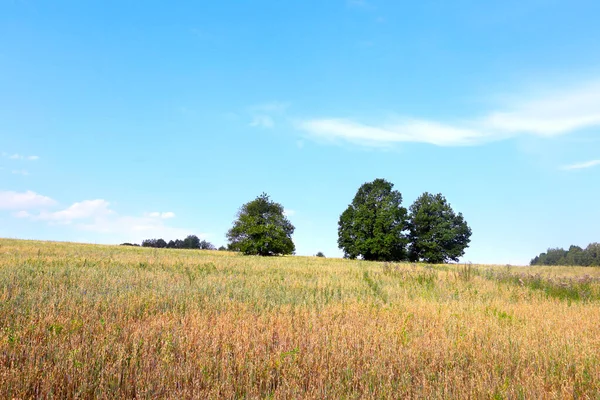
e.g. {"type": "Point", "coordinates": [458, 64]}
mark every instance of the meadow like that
{"type": "Point", "coordinates": [91, 321]}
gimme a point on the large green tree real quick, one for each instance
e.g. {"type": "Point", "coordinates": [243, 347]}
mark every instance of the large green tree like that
{"type": "Point", "coordinates": [372, 226]}
{"type": "Point", "coordinates": [437, 234]}
{"type": "Point", "coordinates": [261, 228]}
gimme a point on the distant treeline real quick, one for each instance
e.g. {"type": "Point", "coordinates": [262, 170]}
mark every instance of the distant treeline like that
{"type": "Point", "coordinates": [590, 256]}
{"type": "Point", "coordinates": [190, 242]}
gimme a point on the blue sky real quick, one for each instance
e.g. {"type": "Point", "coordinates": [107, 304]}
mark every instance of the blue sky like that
{"type": "Point", "coordinates": [124, 120]}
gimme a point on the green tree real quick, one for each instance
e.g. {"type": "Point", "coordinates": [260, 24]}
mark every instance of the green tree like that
{"type": "Point", "coordinates": [592, 254]}
{"type": "Point", "coordinates": [191, 242]}
{"type": "Point", "coordinates": [556, 256]}
{"type": "Point", "coordinates": [205, 245]}
{"type": "Point", "coordinates": [575, 256]}
{"type": "Point", "coordinates": [262, 229]}
{"type": "Point", "coordinates": [372, 226]}
{"type": "Point", "coordinates": [437, 234]}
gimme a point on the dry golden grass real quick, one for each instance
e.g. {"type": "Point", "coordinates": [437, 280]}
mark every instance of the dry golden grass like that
{"type": "Point", "coordinates": [84, 321]}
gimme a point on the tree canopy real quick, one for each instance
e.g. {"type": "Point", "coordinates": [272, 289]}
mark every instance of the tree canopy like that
{"type": "Point", "coordinates": [261, 228]}
{"type": "Point", "coordinates": [190, 242]}
{"type": "Point", "coordinates": [376, 227]}
{"type": "Point", "coordinates": [437, 234]}
{"type": "Point", "coordinates": [372, 226]}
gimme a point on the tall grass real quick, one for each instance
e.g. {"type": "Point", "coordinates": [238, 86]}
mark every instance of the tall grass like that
{"type": "Point", "coordinates": [83, 321]}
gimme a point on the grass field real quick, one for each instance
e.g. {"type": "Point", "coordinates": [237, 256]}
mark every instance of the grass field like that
{"type": "Point", "coordinates": [87, 321]}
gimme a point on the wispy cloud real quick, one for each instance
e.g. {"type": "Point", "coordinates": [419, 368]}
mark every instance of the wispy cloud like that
{"type": "Point", "coordinates": [384, 136]}
{"type": "Point", "coordinates": [264, 115]}
{"type": "Point", "coordinates": [289, 213]}
{"type": "Point", "coordinates": [357, 3]}
{"type": "Point", "coordinates": [555, 114]}
{"type": "Point", "coordinates": [78, 211]}
{"type": "Point", "coordinates": [262, 121]}
{"type": "Point", "coordinates": [10, 200]}
{"type": "Point", "coordinates": [271, 107]}
{"type": "Point", "coordinates": [20, 172]}
{"type": "Point", "coordinates": [17, 156]}
{"type": "Point", "coordinates": [163, 215]}
{"type": "Point", "coordinates": [552, 115]}
{"type": "Point", "coordinates": [583, 165]}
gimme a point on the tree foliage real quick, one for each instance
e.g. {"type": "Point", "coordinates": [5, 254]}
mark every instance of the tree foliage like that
{"type": "Point", "coordinates": [372, 226]}
{"type": "Point", "coordinates": [261, 228]}
{"type": "Point", "coordinates": [576, 256]}
{"type": "Point", "coordinates": [190, 242]}
{"type": "Point", "coordinates": [204, 245]}
{"type": "Point", "coordinates": [436, 233]}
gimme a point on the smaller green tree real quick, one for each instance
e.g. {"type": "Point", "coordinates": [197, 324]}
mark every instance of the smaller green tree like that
{"type": "Point", "coordinates": [437, 234]}
{"type": "Point", "coordinates": [320, 254]}
{"type": "Point", "coordinates": [262, 229]}
{"type": "Point", "coordinates": [191, 242]}
{"type": "Point", "coordinates": [206, 245]}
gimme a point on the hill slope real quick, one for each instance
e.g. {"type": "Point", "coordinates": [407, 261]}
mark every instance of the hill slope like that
{"type": "Point", "coordinates": [107, 321]}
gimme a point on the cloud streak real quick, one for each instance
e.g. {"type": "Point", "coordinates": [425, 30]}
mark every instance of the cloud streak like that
{"type": "Point", "coordinates": [10, 200]}
{"type": "Point", "coordinates": [17, 156]}
{"type": "Point", "coordinates": [86, 209]}
{"type": "Point", "coordinates": [583, 165]}
{"type": "Point", "coordinates": [262, 121]}
{"type": "Point", "coordinates": [556, 114]}
{"type": "Point", "coordinates": [163, 215]}
{"type": "Point", "coordinates": [264, 115]}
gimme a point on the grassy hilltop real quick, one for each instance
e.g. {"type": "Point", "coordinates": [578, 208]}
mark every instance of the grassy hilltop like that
{"type": "Point", "coordinates": [107, 321]}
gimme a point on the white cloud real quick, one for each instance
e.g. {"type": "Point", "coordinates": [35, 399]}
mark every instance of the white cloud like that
{"type": "Point", "coordinates": [24, 200]}
{"type": "Point", "coordinates": [556, 114]}
{"type": "Point", "coordinates": [78, 211]}
{"type": "Point", "coordinates": [271, 107]}
{"type": "Point", "coordinates": [587, 164]}
{"type": "Point", "coordinates": [97, 216]}
{"type": "Point", "coordinates": [22, 214]}
{"type": "Point", "coordinates": [20, 172]}
{"type": "Point", "coordinates": [289, 213]}
{"type": "Point", "coordinates": [17, 156]}
{"type": "Point", "coordinates": [263, 115]}
{"type": "Point", "coordinates": [262, 121]}
{"type": "Point", "coordinates": [384, 136]}
{"type": "Point", "coordinates": [357, 3]}
{"type": "Point", "coordinates": [164, 215]}
{"type": "Point", "coordinates": [135, 229]}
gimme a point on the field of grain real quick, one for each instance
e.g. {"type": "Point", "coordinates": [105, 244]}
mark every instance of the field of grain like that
{"type": "Point", "coordinates": [87, 321]}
